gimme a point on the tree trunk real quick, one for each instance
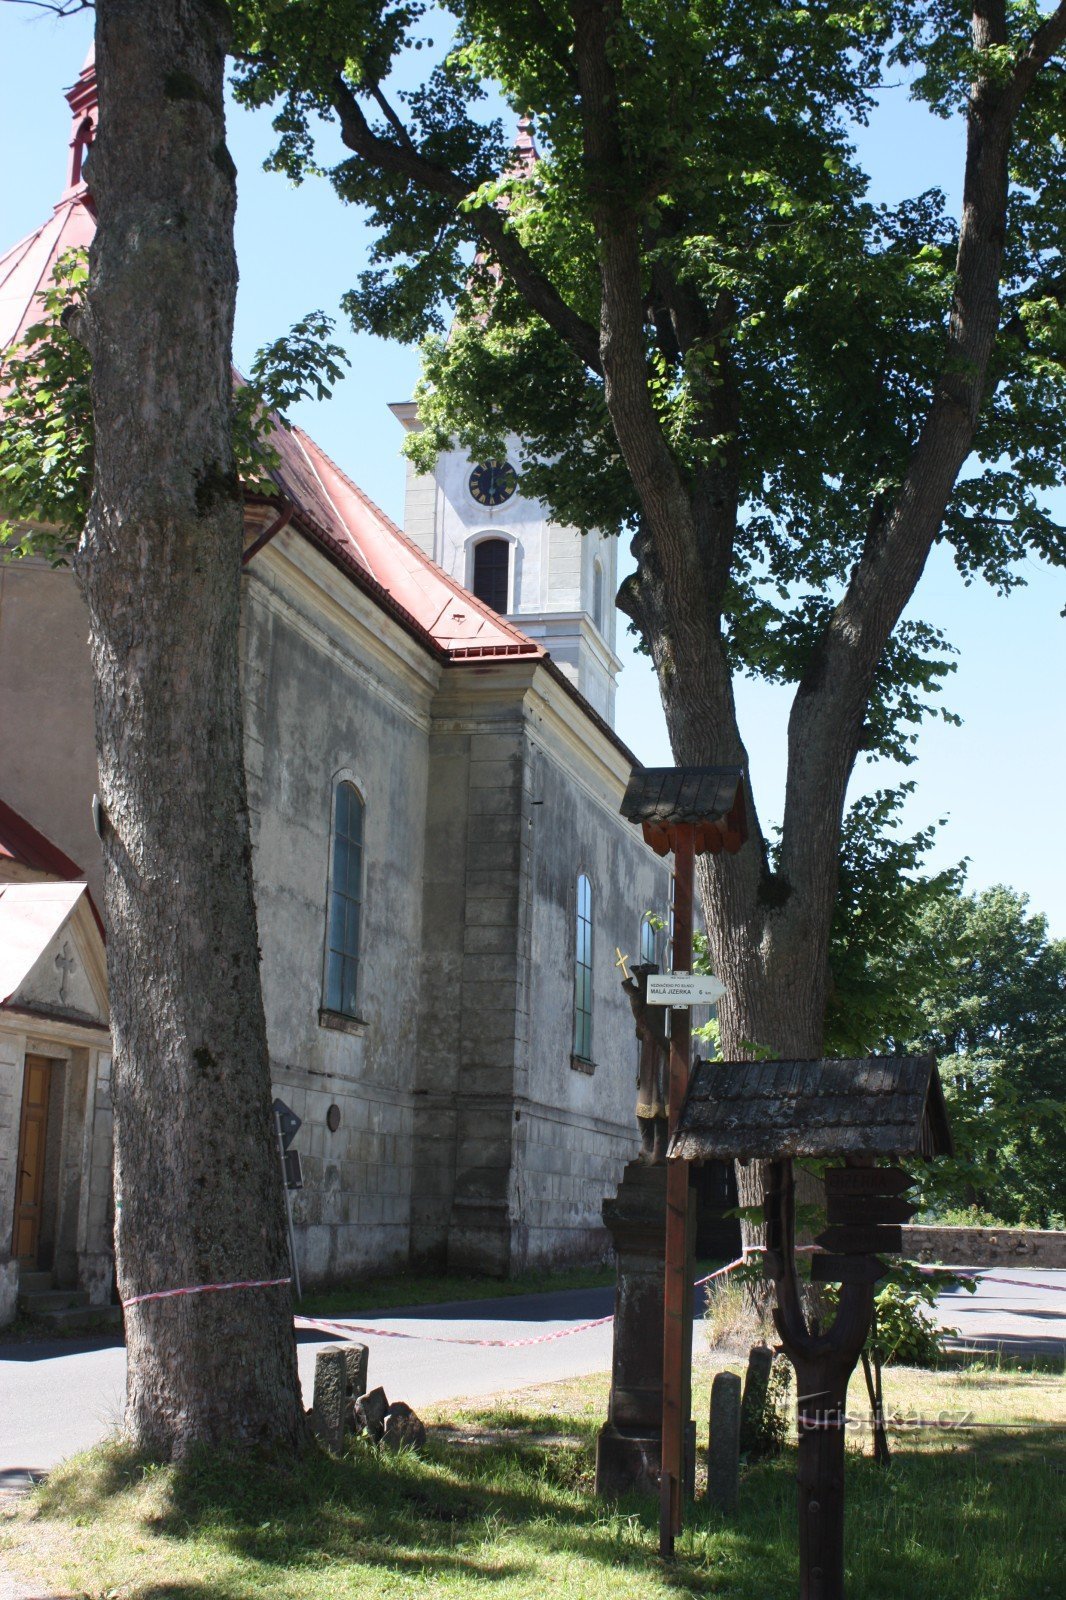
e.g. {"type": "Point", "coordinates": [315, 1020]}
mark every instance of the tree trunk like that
{"type": "Point", "coordinates": [198, 1191]}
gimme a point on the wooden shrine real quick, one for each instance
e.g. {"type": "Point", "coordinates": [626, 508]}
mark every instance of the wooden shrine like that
{"type": "Point", "coordinates": [859, 1113]}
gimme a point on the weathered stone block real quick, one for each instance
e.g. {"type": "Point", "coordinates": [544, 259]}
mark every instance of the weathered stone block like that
{"type": "Point", "coordinates": [403, 1429]}
{"type": "Point", "coordinates": [370, 1413]}
{"type": "Point", "coordinates": [723, 1450]}
{"type": "Point", "coordinates": [329, 1407]}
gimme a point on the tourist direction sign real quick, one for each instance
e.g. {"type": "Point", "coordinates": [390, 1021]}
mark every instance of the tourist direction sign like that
{"type": "Point", "coordinates": [684, 989]}
{"type": "Point", "coordinates": [869, 1208]}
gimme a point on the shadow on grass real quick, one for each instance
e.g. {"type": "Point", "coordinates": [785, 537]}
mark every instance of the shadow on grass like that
{"type": "Point", "coordinates": [974, 1519]}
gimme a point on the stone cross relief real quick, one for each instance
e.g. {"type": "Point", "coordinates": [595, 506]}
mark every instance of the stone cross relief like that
{"type": "Point", "coordinates": [66, 964]}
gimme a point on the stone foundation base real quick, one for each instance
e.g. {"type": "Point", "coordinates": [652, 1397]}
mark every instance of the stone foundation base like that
{"type": "Point", "coordinates": [629, 1461]}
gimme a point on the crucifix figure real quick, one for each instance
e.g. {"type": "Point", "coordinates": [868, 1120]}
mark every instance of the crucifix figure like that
{"type": "Point", "coordinates": [66, 964]}
{"type": "Point", "coordinates": [654, 1060]}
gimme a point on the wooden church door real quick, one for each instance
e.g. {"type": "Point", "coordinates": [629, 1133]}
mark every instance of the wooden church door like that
{"type": "Point", "coordinates": [33, 1142]}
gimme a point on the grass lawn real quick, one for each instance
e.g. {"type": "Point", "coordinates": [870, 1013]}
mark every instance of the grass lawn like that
{"type": "Point", "coordinates": [957, 1516]}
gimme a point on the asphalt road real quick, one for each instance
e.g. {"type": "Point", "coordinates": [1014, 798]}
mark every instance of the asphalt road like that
{"type": "Point", "coordinates": [59, 1396]}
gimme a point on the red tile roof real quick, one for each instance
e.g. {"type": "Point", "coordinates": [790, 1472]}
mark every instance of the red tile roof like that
{"type": "Point", "coordinates": [456, 621]}
{"type": "Point", "coordinates": [20, 841]}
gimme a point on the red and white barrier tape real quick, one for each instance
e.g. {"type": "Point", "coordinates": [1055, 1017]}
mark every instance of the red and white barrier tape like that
{"type": "Point", "coordinates": [988, 1277]}
{"type": "Point", "coordinates": [348, 1328]}
{"type": "Point", "coordinates": [205, 1288]}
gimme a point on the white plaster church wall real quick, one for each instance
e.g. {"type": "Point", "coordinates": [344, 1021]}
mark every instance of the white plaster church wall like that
{"type": "Point", "coordinates": [315, 713]}
{"type": "Point", "coordinates": [46, 709]}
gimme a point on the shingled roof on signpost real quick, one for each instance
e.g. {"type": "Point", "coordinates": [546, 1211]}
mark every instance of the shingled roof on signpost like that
{"type": "Point", "coordinates": [712, 798]}
{"type": "Point", "coordinates": [771, 1110]}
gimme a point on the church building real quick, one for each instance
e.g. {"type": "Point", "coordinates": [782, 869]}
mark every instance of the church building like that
{"type": "Point", "coordinates": [442, 874]}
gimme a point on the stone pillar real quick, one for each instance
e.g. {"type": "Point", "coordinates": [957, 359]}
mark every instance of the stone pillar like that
{"type": "Point", "coordinates": [723, 1443]}
{"type": "Point", "coordinates": [629, 1445]}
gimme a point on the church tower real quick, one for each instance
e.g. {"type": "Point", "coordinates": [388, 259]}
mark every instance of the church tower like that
{"type": "Point", "coordinates": [555, 584]}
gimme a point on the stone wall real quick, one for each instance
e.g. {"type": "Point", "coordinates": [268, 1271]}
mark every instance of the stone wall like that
{"type": "Point", "coordinates": [985, 1247]}
{"type": "Point", "coordinates": [46, 709]}
{"type": "Point", "coordinates": [337, 692]}
{"type": "Point", "coordinates": [12, 1052]}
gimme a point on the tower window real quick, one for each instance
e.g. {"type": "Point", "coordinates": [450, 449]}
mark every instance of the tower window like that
{"type": "Point", "coordinates": [492, 567]}
{"type": "Point", "coordinates": [583, 972]}
{"type": "Point", "coordinates": [345, 901]}
{"type": "Point", "coordinates": [597, 596]}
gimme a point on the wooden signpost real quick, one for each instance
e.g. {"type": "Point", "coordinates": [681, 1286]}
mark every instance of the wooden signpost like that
{"type": "Point", "coordinates": [686, 810]}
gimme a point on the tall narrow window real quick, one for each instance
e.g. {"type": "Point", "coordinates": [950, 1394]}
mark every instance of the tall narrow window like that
{"type": "Point", "coordinates": [492, 563]}
{"type": "Point", "coordinates": [648, 940]}
{"type": "Point", "coordinates": [583, 972]}
{"type": "Point", "coordinates": [345, 901]}
{"type": "Point", "coordinates": [597, 596]}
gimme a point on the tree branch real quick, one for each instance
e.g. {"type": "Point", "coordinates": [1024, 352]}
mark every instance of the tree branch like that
{"type": "Point", "coordinates": [829, 709]}
{"type": "Point", "coordinates": [405, 160]}
{"type": "Point", "coordinates": [1046, 42]}
{"type": "Point", "coordinates": [58, 8]}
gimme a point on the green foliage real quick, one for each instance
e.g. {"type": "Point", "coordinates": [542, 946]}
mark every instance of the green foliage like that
{"type": "Point", "coordinates": [765, 1429]}
{"type": "Point", "coordinates": [46, 432]}
{"type": "Point", "coordinates": [820, 315]}
{"type": "Point", "coordinates": [46, 418]}
{"type": "Point", "coordinates": [881, 958]}
{"type": "Point", "coordinates": [993, 1010]}
{"type": "Point", "coordinates": [905, 1332]}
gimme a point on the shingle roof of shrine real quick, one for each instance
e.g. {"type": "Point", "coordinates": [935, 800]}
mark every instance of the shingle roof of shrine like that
{"type": "Point", "coordinates": [767, 1110]}
{"type": "Point", "coordinates": [681, 794]}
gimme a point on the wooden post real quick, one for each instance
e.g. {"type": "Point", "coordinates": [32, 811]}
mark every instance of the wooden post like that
{"type": "Point", "coordinates": [677, 1300]}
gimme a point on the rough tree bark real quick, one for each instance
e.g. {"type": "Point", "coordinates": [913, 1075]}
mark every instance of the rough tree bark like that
{"type": "Point", "coordinates": [198, 1193]}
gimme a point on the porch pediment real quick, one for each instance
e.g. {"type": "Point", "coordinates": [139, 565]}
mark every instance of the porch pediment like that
{"type": "Point", "coordinates": [51, 952]}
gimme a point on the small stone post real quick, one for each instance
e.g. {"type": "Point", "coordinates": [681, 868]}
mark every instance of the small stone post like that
{"type": "Point", "coordinates": [753, 1408]}
{"type": "Point", "coordinates": [340, 1379]}
{"type": "Point", "coordinates": [723, 1449]}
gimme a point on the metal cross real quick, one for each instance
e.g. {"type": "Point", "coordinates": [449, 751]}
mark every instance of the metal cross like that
{"type": "Point", "coordinates": [66, 964]}
{"type": "Point", "coordinates": [621, 962]}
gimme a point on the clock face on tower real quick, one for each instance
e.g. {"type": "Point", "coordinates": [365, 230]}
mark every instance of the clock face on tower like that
{"type": "Point", "coordinates": [493, 482]}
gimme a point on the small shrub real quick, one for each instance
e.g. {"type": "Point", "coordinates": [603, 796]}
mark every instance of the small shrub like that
{"type": "Point", "coordinates": [906, 1333]}
{"type": "Point", "coordinates": [766, 1431]}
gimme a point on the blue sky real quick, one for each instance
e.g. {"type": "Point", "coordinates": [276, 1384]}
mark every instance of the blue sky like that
{"type": "Point", "coordinates": [998, 779]}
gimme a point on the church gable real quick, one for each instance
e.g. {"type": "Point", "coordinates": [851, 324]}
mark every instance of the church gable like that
{"type": "Point", "coordinates": [53, 958]}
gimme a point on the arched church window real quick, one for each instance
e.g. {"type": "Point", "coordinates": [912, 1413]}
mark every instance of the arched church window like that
{"type": "Point", "coordinates": [345, 901]}
{"type": "Point", "coordinates": [79, 155]}
{"type": "Point", "coordinates": [597, 596]}
{"type": "Point", "coordinates": [649, 940]}
{"type": "Point", "coordinates": [583, 971]}
{"type": "Point", "coordinates": [492, 568]}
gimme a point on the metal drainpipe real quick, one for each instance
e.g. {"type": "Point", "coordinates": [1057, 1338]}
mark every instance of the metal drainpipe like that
{"type": "Point", "coordinates": [282, 520]}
